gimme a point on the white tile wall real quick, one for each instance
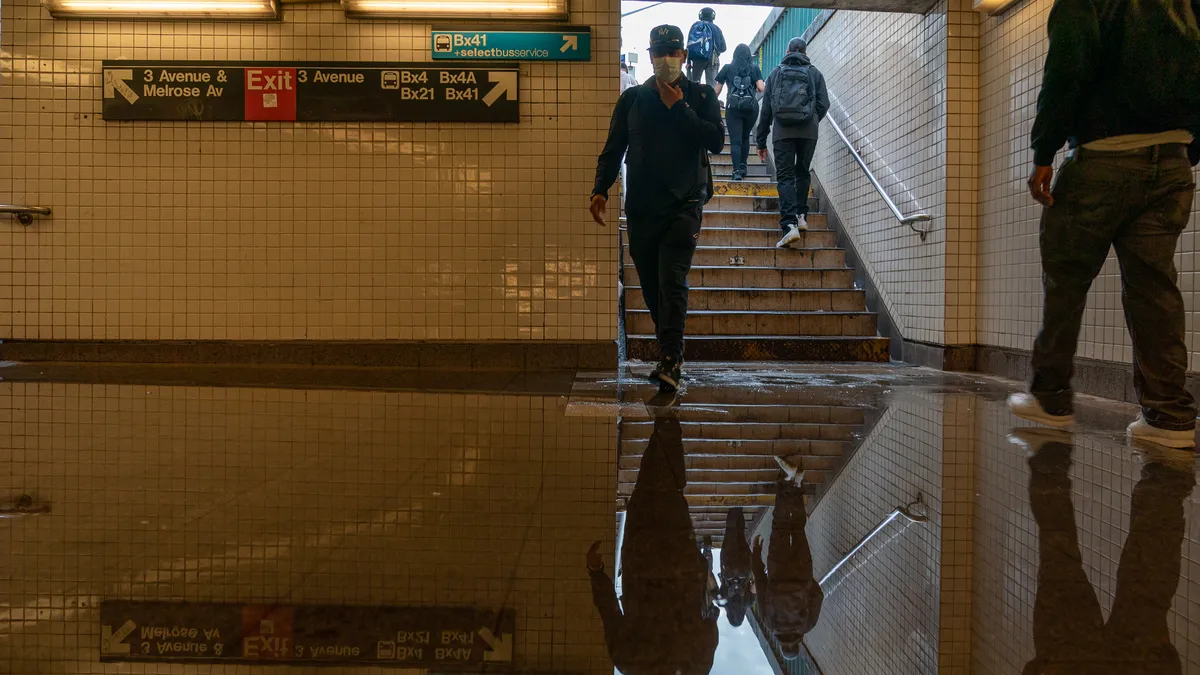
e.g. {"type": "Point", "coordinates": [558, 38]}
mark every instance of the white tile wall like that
{"type": "Point", "coordinates": [1012, 52]}
{"type": "Point", "coordinates": [301, 497]}
{"type": "Point", "coordinates": [297, 230]}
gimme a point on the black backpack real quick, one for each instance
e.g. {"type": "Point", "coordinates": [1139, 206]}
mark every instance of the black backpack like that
{"type": "Point", "coordinates": [793, 95]}
{"type": "Point", "coordinates": [741, 94]}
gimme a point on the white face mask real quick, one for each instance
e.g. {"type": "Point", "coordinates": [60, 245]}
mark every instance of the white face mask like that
{"type": "Point", "coordinates": [667, 68]}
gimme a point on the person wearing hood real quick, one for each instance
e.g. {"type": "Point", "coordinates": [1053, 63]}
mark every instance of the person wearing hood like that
{"type": "Point", "coordinates": [744, 80]}
{"type": "Point", "coordinates": [665, 622]}
{"type": "Point", "coordinates": [668, 125]}
{"type": "Point", "coordinates": [789, 597]}
{"type": "Point", "coordinates": [794, 104]}
{"type": "Point", "coordinates": [737, 588]}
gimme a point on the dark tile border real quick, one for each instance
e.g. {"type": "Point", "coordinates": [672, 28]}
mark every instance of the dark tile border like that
{"type": "Point", "coordinates": [532, 355]}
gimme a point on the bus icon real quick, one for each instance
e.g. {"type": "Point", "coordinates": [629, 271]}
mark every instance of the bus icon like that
{"type": "Point", "coordinates": [441, 43]}
{"type": "Point", "coordinates": [391, 79]}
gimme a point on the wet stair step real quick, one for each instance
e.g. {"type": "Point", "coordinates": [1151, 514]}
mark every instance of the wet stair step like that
{"type": "Point", "coordinates": [769, 299]}
{"type": "Point", "coordinates": [764, 220]}
{"type": "Point", "coordinates": [746, 431]}
{"type": "Point", "coordinates": [765, 237]}
{"type": "Point", "coordinates": [752, 322]}
{"type": "Point", "coordinates": [762, 256]}
{"type": "Point", "coordinates": [643, 347]}
{"type": "Point", "coordinates": [749, 413]}
{"type": "Point", "coordinates": [759, 277]}
{"type": "Point", "coordinates": [806, 448]}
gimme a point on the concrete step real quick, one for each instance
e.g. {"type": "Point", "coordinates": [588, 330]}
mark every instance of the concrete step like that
{"type": "Point", "coordinates": [763, 219]}
{"type": "Point", "coordinates": [765, 256]}
{"type": "Point", "coordinates": [769, 299]}
{"type": "Point", "coordinates": [717, 397]}
{"type": "Point", "coordinates": [753, 171]}
{"type": "Point", "coordinates": [763, 237]}
{"type": "Point", "coordinates": [732, 463]}
{"type": "Point", "coordinates": [759, 323]}
{"type": "Point", "coordinates": [746, 413]}
{"type": "Point", "coordinates": [808, 450]}
{"type": "Point", "coordinates": [761, 476]}
{"type": "Point", "coordinates": [746, 432]}
{"type": "Point", "coordinates": [763, 489]}
{"type": "Point", "coordinates": [766, 348]}
{"type": "Point", "coordinates": [759, 277]}
{"type": "Point", "coordinates": [757, 188]}
{"type": "Point", "coordinates": [737, 202]}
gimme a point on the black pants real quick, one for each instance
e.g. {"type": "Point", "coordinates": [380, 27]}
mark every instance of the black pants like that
{"type": "Point", "coordinates": [662, 250]}
{"type": "Point", "coordinates": [1069, 630]}
{"type": "Point", "coordinates": [739, 123]}
{"type": "Point", "coordinates": [1137, 203]}
{"type": "Point", "coordinates": [793, 159]}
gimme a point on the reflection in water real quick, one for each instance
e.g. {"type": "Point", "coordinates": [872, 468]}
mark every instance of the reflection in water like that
{"type": "Point", "coordinates": [1070, 634]}
{"type": "Point", "coordinates": [789, 597]}
{"type": "Point", "coordinates": [665, 622]}
{"type": "Point", "coordinates": [737, 584]}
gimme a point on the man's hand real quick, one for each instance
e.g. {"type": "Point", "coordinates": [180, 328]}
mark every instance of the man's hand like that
{"type": "Point", "coordinates": [1039, 185]}
{"type": "Point", "coordinates": [762, 154]}
{"type": "Point", "coordinates": [758, 546]}
{"type": "Point", "coordinates": [598, 208]}
{"type": "Point", "coordinates": [670, 93]}
{"type": "Point", "coordinates": [594, 562]}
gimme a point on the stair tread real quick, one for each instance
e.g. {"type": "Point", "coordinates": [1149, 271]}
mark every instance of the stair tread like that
{"type": "Point", "coordinates": [768, 312]}
{"type": "Point", "coordinates": [751, 267]}
{"type": "Point", "coordinates": [771, 289]}
{"type": "Point", "coordinates": [743, 338]}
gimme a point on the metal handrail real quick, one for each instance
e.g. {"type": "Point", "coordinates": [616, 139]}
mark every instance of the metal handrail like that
{"type": "Point", "coordinates": [910, 220]}
{"type": "Point", "coordinates": [25, 214]}
{"type": "Point", "coordinates": [906, 512]}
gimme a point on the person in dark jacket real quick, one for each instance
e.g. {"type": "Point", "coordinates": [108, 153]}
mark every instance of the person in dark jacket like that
{"type": "Point", "coordinates": [707, 69]}
{"type": "Point", "coordinates": [668, 125]}
{"type": "Point", "coordinates": [665, 623]}
{"type": "Point", "coordinates": [1070, 635]}
{"type": "Point", "coordinates": [737, 588]}
{"type": "Point", "coordinates": [1126, 184]}
{"type": "Point", "coordinates": [792, 143]}
{"type": "Point", "coordinates": [789, 599]}
{"type": "Point", "coordinates": [744, 80]}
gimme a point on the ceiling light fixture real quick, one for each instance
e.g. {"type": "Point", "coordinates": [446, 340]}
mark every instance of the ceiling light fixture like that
{"type": "Point", "coordinates": [993, 7]}
{"type": "Point", "coordinates": [457, 9]}
{"type": "Point", "coordinates": [162, 9]}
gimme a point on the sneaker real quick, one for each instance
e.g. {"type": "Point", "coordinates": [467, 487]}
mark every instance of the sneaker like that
{"type": "Point", "coordinates": [794, 473]}
{"type": "Point", "coordinates": [1027, 407]}
{"type": "Point", "coordinates": [802, 225]}
{"type": "Point", "coordinates": [1141, 430]}
{"type": "Point", "coordinates": [790, 237]}
{"type": "Point", "coordinates": [738, 175]}
{"type": "Point", "coordinates": [669, 373]}
{"type": "Point", "coordinates": [1031, 439]}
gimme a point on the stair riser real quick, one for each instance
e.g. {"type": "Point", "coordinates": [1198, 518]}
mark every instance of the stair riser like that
{"type": "Point", "coordinates": [789, 258]}
{"type": "Point", "coordinates": [751, 349]}
{"type": "Point", "coordinates": [751, 323]}
{"type": "Point", "coordinates": [732, 489]}
{"type": "Point", "coordinates": [764, 300]}
{"type": "Point", "coordinates": [768, 219]}
{"type": "Point", "coordinates": [764, 237]}
{"type": "Point", "coordinates": [715, 465]}
{"type": "Point", "coordinates": [772, 414]}
{"type": "Point", "coordinates": [782, 448]}
{"type": "Point", "coordinates": [735, 277]}
{"type": "Point", "coordinates": [753, 172]}
{"type": "Point", "coordinates": [747, 432]}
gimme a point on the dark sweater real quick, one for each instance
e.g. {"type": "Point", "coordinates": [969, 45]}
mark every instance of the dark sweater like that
{"type": "Point", "coordinates": [1081, 99]}
{"type": "Point", "coordinates": [767, 123]}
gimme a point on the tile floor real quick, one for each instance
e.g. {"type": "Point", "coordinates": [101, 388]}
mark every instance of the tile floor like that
{"type": "Point", "coordinates": [224, 520]}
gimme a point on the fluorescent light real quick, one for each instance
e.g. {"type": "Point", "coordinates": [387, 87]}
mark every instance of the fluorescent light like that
{"type": "Point", "coordinates": [993, 7]}
{"type": "Point", "coordinates": [162, 9]}
{"type": "Point", "coordinates": [457, 9]}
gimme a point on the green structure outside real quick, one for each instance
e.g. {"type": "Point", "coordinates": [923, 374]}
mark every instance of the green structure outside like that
{"type": "Point", "coordinates": [781, 25]}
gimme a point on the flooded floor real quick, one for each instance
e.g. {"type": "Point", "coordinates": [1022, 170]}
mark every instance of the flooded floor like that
{"type": "Point", "coordinates": [222, 520]}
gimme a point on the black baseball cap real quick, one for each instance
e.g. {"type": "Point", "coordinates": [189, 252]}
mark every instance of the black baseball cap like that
{"type": "Point", "coordinates": [666, 38]}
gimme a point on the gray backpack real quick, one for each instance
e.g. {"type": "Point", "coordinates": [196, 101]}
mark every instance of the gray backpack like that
{"type": "Point", "coordinates": [793, 95]}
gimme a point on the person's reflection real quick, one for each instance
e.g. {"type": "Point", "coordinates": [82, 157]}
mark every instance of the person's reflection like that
{"type": "Point", "coordinates": [737, 587]}
{"type": "Point", "coordinates": [1069, 631]}
{"type": "Point", "coordinates": [789, 600]}
{"type": "Point", "coordinates": [665, 622]}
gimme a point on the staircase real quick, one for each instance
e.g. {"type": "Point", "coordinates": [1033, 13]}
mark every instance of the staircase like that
{"type": "Point", "coordinates": [750, 301]}
{"type": "Point", "coordinates": [730, 439]}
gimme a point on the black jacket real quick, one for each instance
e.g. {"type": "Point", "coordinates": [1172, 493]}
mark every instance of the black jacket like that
{"type": "Point", "coordinates": [666, 148]}
{"type": "Point", "coordinates": [1080, 102]}
{"type": "Point", "coordinates": [766, 119]}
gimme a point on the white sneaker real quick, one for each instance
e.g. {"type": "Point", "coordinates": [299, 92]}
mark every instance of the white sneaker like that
{"type": "Point", "coordinates": [1026, 406]}
{"type": "Point", "coordinates": [803, 224]}
{"type": "Point", "coordinates": [1141, 430]}
{"type": "Point", "coordinates": [1031, 439]}
{"type": "Point", "coordinates": [794, 474]}
{"type": "Point", "coordinates": [792, 236]}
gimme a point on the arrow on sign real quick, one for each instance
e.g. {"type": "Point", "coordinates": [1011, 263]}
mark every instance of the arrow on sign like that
{"type": "Point", "coordinates": [506, 84]}
{"type": "Point", "coordinates": [570, 42]}
{"type": "Point", "coordinates": [114, 81]}
{"type": "Point", "coordinates": [500, 649]}
{"type": "Point", "coordinates": [112, 643]}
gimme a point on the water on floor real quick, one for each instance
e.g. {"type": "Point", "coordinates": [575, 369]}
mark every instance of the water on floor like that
{"type": "Point", "coordinates": [183, 520]}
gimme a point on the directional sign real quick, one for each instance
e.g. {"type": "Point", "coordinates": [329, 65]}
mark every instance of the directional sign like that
{"type": "Point", "coordinates": [567, 44]}
{"type": "Point", "coordinates": [431, 638]}
{"type": "Point", "coordinates": [309, 92]}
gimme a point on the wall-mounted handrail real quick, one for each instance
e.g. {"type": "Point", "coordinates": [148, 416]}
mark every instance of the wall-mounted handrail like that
{"type": "Point", "coordinates": [910, 220]}
{"type": "Point", "coordinates": [906, 512]}
{"type": "Point", "coordinates": [25, 214]}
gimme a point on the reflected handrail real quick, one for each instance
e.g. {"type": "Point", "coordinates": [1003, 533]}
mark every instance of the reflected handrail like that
{"type": "Point", "coordinates": [908, 512]}
{"type": "Point", "coordinates": [909, 220]}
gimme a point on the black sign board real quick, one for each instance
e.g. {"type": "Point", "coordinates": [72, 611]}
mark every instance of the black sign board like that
{"type": "Point", "coordinates": [212, 91]}
{"type": "Point", "coordinates": [425, 637]}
